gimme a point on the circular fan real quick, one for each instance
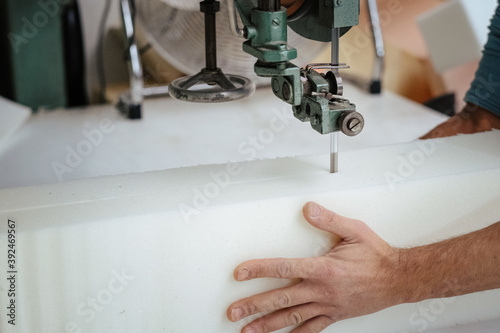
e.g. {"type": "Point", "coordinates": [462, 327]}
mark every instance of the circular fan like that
{"type": "Point", "coordinates": [175, 28]}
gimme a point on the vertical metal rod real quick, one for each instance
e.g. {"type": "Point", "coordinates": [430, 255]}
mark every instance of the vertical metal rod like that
{"type": "Point", "coordinates": [210, 41]}
{"type": "Point", "coordinates": [334, 137]}
{"type": "Point", "coordinates": [269, 5]}
{"type": "Point", "coordinates": [334, 152]}
{"type": "Point", "coordinates": [335, 46]}
{"type": "Point", "coordinates": [378, 66]}
{"type": "Point", "coordinates": [233, 19]}
{"type": "Point", "coordinates": [135, 71]}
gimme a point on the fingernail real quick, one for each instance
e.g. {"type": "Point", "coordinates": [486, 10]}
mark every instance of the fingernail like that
{"type": "Point", "coordinates": [249, 330]}
{"type": "Point", "coordinates": [314, 210]}
{"type": "Point", "coordinates": [236, 313]}
{"type": "Point", "coordinates": [243, 274]}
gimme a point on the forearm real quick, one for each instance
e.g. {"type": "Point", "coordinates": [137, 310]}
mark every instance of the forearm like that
{"type": "Point", "coordinates": [453, 267]}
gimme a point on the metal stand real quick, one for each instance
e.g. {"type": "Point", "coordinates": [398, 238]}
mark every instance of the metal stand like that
{"type": "Point", "coordinates": [130, 102]}
{"type": "Point", "coordinates": [374, 84]}
{"type": "Point", "coordinates": [230, 87]}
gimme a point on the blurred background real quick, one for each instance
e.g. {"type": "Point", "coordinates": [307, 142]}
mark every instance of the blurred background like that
{"type": "Point", "coordinates": [64, 53]}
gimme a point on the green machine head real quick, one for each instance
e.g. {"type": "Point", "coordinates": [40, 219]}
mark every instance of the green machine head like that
{"type": "Point", "coordinates": [314, 91]}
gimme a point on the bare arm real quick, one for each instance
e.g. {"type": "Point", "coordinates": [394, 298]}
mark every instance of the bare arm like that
{"type": "Point", "coordinates": [453, 267]}
{"type": "Point", "coordinates": [363, 274]}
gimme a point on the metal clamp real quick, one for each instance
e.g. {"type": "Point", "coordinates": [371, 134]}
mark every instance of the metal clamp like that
{"type": "Point", "coordinates": [311, 67]}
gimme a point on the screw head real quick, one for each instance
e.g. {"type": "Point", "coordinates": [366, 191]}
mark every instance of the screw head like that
{"type": "Point", "coordinates": [276, 22]}
{"type": "Point", "coordinates": [354, 125]}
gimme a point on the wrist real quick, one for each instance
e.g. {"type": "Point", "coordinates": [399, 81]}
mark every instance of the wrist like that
{"type": "Point", "coordinates": [480, 119]}
{"type": "Point", "coordinates": [411, 276]}
{"type": "Point", "coordinates": [427, 272]}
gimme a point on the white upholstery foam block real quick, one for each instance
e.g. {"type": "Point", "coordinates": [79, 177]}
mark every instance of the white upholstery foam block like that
{"type": "Point", "coordinates": [116, 254]}
{"type": "Point", "coordinates": [480, 17]}
{"type": "Point", "coordinates": [456, 31]}
{"type": "Point", "coordinates": [12, 117]}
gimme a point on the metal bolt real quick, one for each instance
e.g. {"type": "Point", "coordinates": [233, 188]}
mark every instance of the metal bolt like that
{"type": "Point", "coordinates": [276, 85]}
{"type": "Point", "coordinates": [339, 2]}
{"type": "Point", "coordinates": [276, 22]}
{"type": "Point", "coordinates": [354, 125]}
{"type": "Point", "coordinates": [286, 91]}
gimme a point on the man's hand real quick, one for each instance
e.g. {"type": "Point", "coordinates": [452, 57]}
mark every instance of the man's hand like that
{"type": "Point", "coordinates": [358, 276]}
{"type": "Point", "coordinates": [472, 119]}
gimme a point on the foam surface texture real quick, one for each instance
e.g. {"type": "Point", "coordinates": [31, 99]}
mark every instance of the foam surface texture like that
{"type": "Point", "coordinates": [125, 254]}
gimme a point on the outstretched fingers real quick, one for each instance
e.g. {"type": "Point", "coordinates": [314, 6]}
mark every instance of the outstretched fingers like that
{"type": "Point", "coordinates": [283, 268]}
{"type": "Point", "coordinates": [287, 317]}
{"type": "Point", "coordinates": [270, 301]}
{"type": "Point", "coordinates": [314, 325]}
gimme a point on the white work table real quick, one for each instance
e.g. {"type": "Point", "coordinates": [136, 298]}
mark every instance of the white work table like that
{"type": "Point", "coordinates": [175, 134]}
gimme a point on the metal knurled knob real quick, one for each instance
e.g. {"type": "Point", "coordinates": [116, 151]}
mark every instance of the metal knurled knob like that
{"type": "Point", "coordinates": [351, 123]}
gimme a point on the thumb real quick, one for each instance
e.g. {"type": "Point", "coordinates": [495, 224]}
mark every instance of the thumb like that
{"type": "Point", "coordinates": [326, 220]}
